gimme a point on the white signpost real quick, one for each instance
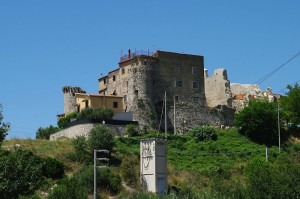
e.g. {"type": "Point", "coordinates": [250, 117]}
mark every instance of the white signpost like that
{"type": "Point", "coordinates": [153, 165]}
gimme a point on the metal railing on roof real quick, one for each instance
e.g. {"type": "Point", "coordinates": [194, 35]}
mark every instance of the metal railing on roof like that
{"type": "Point", "coordinates": [136, 53]}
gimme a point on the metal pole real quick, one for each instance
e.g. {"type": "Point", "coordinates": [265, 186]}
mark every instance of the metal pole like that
{"type": "Point", "coordinates": [278, 130]}
{"type": "Point", "coordinates": [95, 171]}
{"type": "Point", "coordinates": [166, 114]}
{"type": "Point", "coordinates": [95, 168]}
{"type": "Point", "coordinates": [174, 118]}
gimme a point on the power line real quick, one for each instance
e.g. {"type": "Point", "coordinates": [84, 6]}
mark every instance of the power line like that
{"type": "Point", "coordinates": [261, 80]}
{"type": "Point", "coordinates": [264, 78]}
{"type": "Point", "coordinates": [281, 91]}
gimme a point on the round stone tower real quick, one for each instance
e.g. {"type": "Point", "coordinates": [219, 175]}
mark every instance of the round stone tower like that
{"type": "Point", "coordinates": [70, 99]}
{"type": "Point", "coordinates": [140, 96]}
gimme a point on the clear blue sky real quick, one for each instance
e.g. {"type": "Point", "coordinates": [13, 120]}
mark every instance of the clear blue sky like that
{"type": "Point", "coordinates": [45, 45]}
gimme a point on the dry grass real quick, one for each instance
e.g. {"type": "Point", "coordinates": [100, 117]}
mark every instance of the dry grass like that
{"type": "Point", "coordinates": [60, 149]}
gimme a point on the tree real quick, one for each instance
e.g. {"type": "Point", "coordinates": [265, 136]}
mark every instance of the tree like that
{"type": "Point", "coordinates": [21, 173]}
{"type": "Point", "coordinates": [258, 121]}
{"type": "Point", "coordinates": [44, 133]}
{"type": "Point", "coordinates": [4, 127]}
{"type": "Point", "coordinates": [291, 104]}
{"type": "Point", "coordinates": [100, 137]}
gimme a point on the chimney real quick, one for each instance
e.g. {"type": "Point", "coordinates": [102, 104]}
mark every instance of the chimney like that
{"type": "Point", "coordinates": [129, 54]}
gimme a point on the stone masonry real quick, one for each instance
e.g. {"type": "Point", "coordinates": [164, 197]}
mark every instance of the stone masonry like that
{"type": "Point", "coordinates": [217, 88]}
{"type": "Point", "coordinates": [142, 80]}
{"type": "Point", "coordinates": [83, 129]}
{"type": "Point", "coordinates": [70, 99]}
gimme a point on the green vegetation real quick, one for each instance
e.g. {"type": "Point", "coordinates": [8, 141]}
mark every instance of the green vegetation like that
{"type": "Point", "coordinates": [130, 170]}
{"type": "Point", "coordinates": [89, 114]}
{"type": "Point", "coordinates": [258, 121]}
{"type": "Point", "coordinates": [202, 133]}
{"type": "Point", "coordinates": [81, 184]}
{"type": "Point", "coordinates": [63, 122]}
{"type": "Point", "coordinates": [100, 137]}
{"type": "Point", "coordinates": [132, 129]}
{"type": "Point", "coordinates": [230, 167]}
{"type": "Point", "coordinates": [4, 127]}
{"type": "Point", "coordinates": [95, 115]}
{"type": "Point", "coordinates": [291, 104]}
{"type": "Point", "coordinates": [22, 172]}
{"type": "Point", "coordinates": [44, 133]}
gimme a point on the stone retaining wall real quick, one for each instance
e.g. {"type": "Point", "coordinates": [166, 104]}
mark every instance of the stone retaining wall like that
{"type": "Point", "coordinates": [84, 129]}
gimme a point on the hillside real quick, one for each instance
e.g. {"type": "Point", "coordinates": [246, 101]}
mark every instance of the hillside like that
{"type": "Point", "coordinates": [193, 166]}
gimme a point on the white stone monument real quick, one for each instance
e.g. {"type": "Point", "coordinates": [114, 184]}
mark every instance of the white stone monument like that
{"type": "Point", "coordinates": [153, 163]}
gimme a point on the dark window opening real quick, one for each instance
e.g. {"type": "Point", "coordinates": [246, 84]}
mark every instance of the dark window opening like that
{"type": "Point", "coordinates": [194, 70]}
{"type": "Point", "coordinates": [86, 103]}
{"type": "Point", "coordinates": [123, 71]}
{"type": "Point", "coordinates": [176, 98]}
{"type": "Point", "coordinates": [136, 92]}
{"type": "Point", "coordinates": [115, 104]}
{"type": "Point", "coordinates": [195, 84]}
{"type": "Point", "coordinates": [114, 78]}
{"type": "Point", "coordinates": [104, 81]}
{"type": "Point", "coordinates": [178, 84]}
{"type": "Point", "coordinates": [177, 69]}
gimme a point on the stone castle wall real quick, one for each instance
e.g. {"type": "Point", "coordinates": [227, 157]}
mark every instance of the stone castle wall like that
{"type": "Point", "coordinates": [217, 88]}
{"type": "Point", "coordinates": [70, 99]}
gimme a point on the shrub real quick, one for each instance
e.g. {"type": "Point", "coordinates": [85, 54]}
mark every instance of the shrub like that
{"type": "Point", "coordinates": [202, 133]}
{"type": "Point", "coordinates": [271, 180]}
{"type": "Point", "coordinates": [132, 130]}
{"type": "Point", "coordinates": [81, 154]}
{"type": "Point", "coordinates": [52, 168]}
{"type": "Point", "coordinates": [68, 189]}
{"type": "Point", "coordinates": [20, 173]}
{"type": "Point", "coordinates": [130, 170]}
{"type": "Point", "coordinates": [100, 137]}
{"type": "Point", "coordinates": [44, 133]}
{"type": "Point", "coordinates": [105, 179]}
{"type": "Point", "coordinates": [96, 115]}
{"type": "Point", "coordinates": [101, 114]}
{"type": "Point", "coordinates": [63, 122]}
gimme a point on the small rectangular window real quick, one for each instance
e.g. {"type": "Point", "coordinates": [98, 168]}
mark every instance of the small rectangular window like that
{"type": "Point", "coordinates": [123, 71]}
{"type": "Point", "coordinates": [176, 98]}
{"type": "Point", "coordinates": [196, 85]}
{"type": "Point", "coordinates": [115, 104]}
{"type": "Point", "coordinates": [136, 92]}
{"type": "Point", "coordinates": [195, 99]}
{"type": "Point", "coordinates": [194, 70]}
{"type": "Point", "coordinates": [178, 84]}
{"type": "Point", "coordinates": [177, 69]}
{"type": "Point", "coordinates": [86, 103]}
{"type": "Point", "coordinates": [114, 78]}
{"type": "Point", "coordinates": [104, 81]}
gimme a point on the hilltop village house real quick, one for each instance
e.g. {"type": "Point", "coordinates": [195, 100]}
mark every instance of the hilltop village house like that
{"type": "Point", "coordinates": [138, 84]}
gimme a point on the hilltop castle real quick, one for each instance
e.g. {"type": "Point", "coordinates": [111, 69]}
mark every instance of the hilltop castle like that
{"type": "Point", "coordinates": [143, 77]}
